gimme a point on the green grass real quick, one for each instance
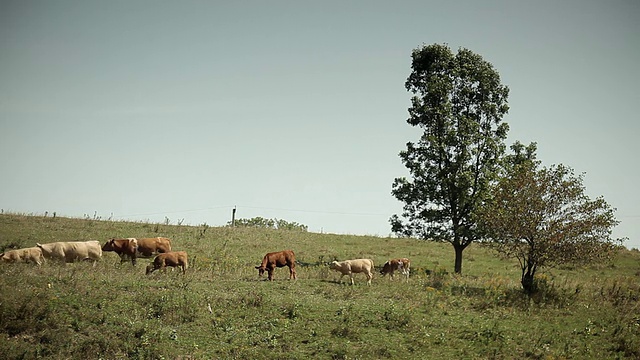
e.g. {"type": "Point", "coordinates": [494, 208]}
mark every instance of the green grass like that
{"type": "Point", "coordinates": [114, 311]}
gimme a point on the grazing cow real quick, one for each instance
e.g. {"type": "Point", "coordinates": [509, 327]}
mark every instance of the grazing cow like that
{"type": "Point", "coordinates": [174, 259]}
{"type": "Point", "coordinates": [148, 247]}
{"type": "Point", "coordinates": [350, 267]}
{"type": "Point", "coordinates": [72, 251]}
{"type": "Point", "coordinates": [403, 265]}
{"type": "Point", "coordinates": [124, 248]}
{"type": "Point", "coordinates": [134, 248]}
{"type": "Point", "coordinates": [32, 254]}
{"type": "Point", "coordinates": [278, 259]}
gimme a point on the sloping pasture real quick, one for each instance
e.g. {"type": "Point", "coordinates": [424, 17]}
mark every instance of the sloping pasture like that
{"type": "Point", "coordinates": [221, 309]}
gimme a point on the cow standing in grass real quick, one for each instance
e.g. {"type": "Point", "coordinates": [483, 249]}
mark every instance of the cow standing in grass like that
{"type": "Point", "coordinates": [32, 254]}
{"type": "Point", "coordinates": [147, 247]}
{"type": "Point", "coordinates": [403, 265]}
{"type": "Point", "coordinates": [125, 248]}
{"type": "Point", "coordinates": [71, 251]}
{"type": "Point", "coordinates": [350, 267]}
{"type": "Point", "coordinates": [174, 259]}
{"type": "Point", "coordinates": [278, 259]}
{"type": "Point", "coordinates": [132, 248]}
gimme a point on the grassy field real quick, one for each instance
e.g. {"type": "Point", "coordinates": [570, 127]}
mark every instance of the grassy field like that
{"type": "Point", "coordinates": [221, 309]}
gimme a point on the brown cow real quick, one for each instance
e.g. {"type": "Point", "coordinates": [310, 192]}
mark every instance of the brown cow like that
{"type": "Point", "coordinates": [124, 248]}
{"type": "Point", "coordinates": [134, 248]}
{"type": "Point", "coordinates": [175, 259]}
{"type": "Point", "coordinates": [278, 259]}
{"type": "Point", "coordinates": [148, 247]}
{"type": "Point", "coordinates": [32, 254]}
{"type": "Point", "coordinates": [403, 265]}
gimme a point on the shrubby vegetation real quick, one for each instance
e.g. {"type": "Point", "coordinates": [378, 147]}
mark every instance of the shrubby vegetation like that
{"type": "Point", "coordinates": [259, 222]}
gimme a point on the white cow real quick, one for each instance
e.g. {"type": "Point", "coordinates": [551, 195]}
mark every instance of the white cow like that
{"type": "Point", "coordinates": [350, 267]}
{"type": "Point", "coordinates": [72, 251]}
{"type": "Point", "coordinates": [32, 254]}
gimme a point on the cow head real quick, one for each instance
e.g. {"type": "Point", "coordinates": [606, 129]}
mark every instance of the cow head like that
{"type": "Point", "coordinates": [261, 270]}
{"type": "Point", "coordinates": [385, 268]}
{"type": "Point", "coordinates": [108, 246]}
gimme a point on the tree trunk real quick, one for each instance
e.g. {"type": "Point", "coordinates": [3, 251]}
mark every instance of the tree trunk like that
{"type": "Point", "coordinates": [458, 264]}
{"type": "Point", "coordinates": [527, 280]}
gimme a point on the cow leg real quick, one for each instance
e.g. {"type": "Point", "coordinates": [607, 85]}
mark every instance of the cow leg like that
{"type": "Point", "coordinates": [292, 272]}
{"type": "Point", "coordinates": [351, 277]}
{"type": "Point", "coordinates": [270, 274]}
{"type": "Point", "coordinates": [369, 277]}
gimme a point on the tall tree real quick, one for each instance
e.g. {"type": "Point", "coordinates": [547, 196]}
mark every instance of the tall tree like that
{"type": "Point", "coordinates": [458, 101]}
{"type": "Point", "coordinates": [542, 217]}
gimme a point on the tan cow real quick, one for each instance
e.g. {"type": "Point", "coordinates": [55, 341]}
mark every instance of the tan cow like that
{"type": "Point", "coordinates": [402, 264]}
{"type": "Point", "coordinates": [350, 267]}
{"type": "Point", "coordinates": [32, 254]}
{"type": "Point", "coordinates": [174, 259]}
{"type": "Point", "coordinates": [72, 251]}
{"type": "Point", "coordinates": [147, 247]}
{"type": "Point", "coordinates": [278, 259]}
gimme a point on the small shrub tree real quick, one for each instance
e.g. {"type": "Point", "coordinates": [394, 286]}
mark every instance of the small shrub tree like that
{"type": "Point", "coordinates": [542, 217]}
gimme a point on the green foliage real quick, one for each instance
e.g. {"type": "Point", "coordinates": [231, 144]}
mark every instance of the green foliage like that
{"type": "Point", "coordinates": [459, 103]}
{"type": "Point", "coordinates": [220, 308]}
{"type": "Point", "coordinates": [542, 217]}
{"type": "Point", "coordinates": [259, 222]}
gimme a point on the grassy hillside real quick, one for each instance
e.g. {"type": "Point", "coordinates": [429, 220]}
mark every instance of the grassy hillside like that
{"type": "Point", "coordinates": [220, 309]}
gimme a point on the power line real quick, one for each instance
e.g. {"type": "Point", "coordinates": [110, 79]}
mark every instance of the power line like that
{"type": "Point", "coordinates": [174, 212]}
{"type": "Point", "coordinates": [315, 211]}
{"type": "Point", "coordinates": [254, 207]}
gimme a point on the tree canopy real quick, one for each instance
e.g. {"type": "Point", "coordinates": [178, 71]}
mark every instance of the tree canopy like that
{"type": "Point", "coordinates": [458, 101]}
{"type": "Point", "coordinates": [542, 217]}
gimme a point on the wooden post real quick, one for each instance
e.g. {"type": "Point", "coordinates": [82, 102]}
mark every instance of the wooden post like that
{"type": "Point", "coordinates": [233, 217]}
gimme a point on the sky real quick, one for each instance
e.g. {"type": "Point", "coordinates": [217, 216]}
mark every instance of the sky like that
{"type": "Point", "coordinates": [295, 110]}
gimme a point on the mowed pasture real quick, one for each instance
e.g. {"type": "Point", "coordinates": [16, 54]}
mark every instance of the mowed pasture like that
{"type": "Point", "coordinates": [221, 309]}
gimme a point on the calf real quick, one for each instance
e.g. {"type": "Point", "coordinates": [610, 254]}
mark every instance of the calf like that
{"type": "Point", "coordinates": [278, 259]}
{"type": "Point", "coordinates": [72, 251]}
{"type": "Point", "coordinates": [403, 265]}
{"type": "Point", "coordinates": [350, 267]}
{"type": "Point", "coordinates": [32, 254]}
{"type": "Point", "coordinates": [174, 259]}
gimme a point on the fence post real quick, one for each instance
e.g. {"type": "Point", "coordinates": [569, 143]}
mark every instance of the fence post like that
{"type": "Point", "coordinates": [233, 217]}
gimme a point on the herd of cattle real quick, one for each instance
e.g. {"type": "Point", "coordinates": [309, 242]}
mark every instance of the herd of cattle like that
{"type": "Point", "coordinates": [160, 247]}
{"type": "Point", "coordinates": [274, 260]}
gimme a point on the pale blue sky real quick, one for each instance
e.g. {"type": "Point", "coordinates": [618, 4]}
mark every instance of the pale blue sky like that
{"type": "Point", "coordinates": [291, 109]}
